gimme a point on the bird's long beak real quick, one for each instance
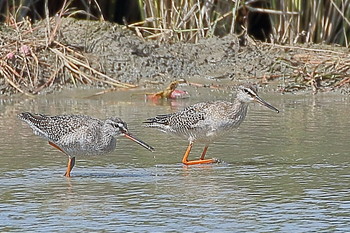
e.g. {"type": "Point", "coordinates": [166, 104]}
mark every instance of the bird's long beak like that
{"type": "Point", "coordinates": [263, 102]}
{"type": "Point", "coordinates": [138, 141]}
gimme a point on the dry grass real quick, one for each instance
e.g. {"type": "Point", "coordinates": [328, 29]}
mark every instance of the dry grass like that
{"type": "Point", "coordinates": [311, 21]}
{"type": "Point", "coordinates": [293, 21]}
{"type": "Point", "coordinates": [184, 20]}
{"type": "Point", "coordinates": [321, 69]}
{"type": "Point", "coordinates": [26, 55]}
{"type": "Point", "coordinates": [26, 59]}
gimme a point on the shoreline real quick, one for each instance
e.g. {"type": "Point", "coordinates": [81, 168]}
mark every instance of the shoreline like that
{"type": "Point", "coordinates": [102, 54]}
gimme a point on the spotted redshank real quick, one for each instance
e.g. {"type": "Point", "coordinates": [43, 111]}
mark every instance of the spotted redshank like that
{"type": "Point", "coordinates": [208, 120]}
{"type": "Point", "coordinates": [77, 135]}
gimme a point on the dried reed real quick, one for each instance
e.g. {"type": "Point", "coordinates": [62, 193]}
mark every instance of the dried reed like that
{"type": "Point", "coordinates": [26, 59]}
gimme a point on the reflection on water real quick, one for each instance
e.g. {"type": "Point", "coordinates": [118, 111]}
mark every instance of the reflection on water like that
{"type": "Point", "coordinates": [286, 172]}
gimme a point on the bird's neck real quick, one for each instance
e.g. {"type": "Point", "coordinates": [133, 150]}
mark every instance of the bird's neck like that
{"type": "Point", "coordinates": [106, 134]}
{"type": "Point", "coordinates": [107, 140]}
{"type": "Point", "coordinates": [239, 111]}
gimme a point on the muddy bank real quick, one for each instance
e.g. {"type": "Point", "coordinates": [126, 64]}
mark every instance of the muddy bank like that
{"type": "Point", "coordinates": [43, 57]}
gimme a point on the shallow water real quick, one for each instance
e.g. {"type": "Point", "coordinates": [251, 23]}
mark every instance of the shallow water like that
{"type": "Point", "coordinates": [286, 172]}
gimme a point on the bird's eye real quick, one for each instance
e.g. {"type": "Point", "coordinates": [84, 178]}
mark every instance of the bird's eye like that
{"type": "Point", "coordinates": [249, 92]}
{"type": "Point", "coordinates": [122, 127]}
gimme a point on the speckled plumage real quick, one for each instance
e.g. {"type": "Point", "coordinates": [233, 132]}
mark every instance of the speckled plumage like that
{"type": "Point", "coordinates": [201, 121]}
{"type": "Point", "coordinates": [78, 135]}
{"type": "Point", "coordinates": [208, 120]}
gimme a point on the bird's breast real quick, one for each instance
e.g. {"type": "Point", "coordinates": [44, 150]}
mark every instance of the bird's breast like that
{"type": "Point", "coordinates": [85, 144]}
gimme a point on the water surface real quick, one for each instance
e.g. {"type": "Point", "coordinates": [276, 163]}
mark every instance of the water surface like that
{"type": "Point", "coordinates": [286, 172]}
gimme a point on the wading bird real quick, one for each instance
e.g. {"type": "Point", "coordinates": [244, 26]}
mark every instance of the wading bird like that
{"type": "Point", "coordinates": [208, 120]}
{"type": "Point", "coordinates": [78, 135]}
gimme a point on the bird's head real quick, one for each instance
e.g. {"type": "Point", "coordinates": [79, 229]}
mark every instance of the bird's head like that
{"type": "Point", "coordinates": [116, 127]}
{"type": "Point", "coordinates": [249, 93]}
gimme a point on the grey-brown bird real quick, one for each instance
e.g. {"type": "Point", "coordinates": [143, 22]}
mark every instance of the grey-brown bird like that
{"type": "Point", "coordinates": [79, 135]}
{"type": "Point", "coordinates": [206, 121]}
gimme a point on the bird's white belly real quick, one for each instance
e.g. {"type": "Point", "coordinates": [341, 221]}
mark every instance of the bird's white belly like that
{"type": "Point", "coordinates": [80, 145]}
{"type": "Point", "coordinates": [212, 132]}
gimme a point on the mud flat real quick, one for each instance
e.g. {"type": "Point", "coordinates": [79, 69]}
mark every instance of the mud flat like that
{"type": "Point", "coordinates": [49, 55]}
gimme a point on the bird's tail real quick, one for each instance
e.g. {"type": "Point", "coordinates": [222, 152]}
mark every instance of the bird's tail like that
{"type": "Point", "coordinates": [36, 122]}
{"type": "Point", "coordinates": [29, 117]}
{"type": "Point", "coordinates": [157, 121]}
{"type": "Point", "coordinates": [24, 115]}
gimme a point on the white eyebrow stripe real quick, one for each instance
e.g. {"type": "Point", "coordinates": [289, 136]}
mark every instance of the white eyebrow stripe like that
{"type": "Point", "coordinates": [250, 91]}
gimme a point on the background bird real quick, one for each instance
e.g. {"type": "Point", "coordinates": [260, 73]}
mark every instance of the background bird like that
{"type": "Point", "coordinates": [77, 135]}
{"type": "Point", "coordinates": [208, 120]}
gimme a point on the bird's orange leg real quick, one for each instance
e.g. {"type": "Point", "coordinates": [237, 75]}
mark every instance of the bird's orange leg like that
{"type": "Point", "coordinates": [204, 152]}
{"type": "Point", "coordinates": [188, 150]}
{"type": "Point", "coordinates": [70, 165]}
{"type": "Point", "coordinates": [57, 147]}
{"type": "Point", "coordinates": [199, 161]}
{"type": "Point", "coordinates": [71, 161]}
